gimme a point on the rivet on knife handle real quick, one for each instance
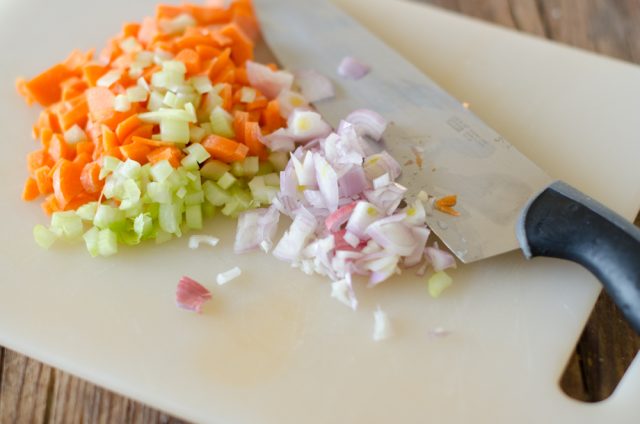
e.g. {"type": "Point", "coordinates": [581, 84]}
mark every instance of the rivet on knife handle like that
{"type": "Point", "coordinates": [562, 222]}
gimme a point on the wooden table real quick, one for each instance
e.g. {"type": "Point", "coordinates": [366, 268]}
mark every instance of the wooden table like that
{"type": "Point", "coordinates": [34, 392]}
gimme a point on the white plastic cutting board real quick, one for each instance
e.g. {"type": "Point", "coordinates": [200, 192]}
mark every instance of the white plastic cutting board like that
{"type": "Point", "coordinates": [272, 347]}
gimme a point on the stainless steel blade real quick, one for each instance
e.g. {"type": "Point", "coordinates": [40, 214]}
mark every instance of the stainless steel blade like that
{"type": "Point", "coordinates": [445, 149]}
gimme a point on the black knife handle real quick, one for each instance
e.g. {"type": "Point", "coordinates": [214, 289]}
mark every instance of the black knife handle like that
{"type": "Point", "coordinates": [562, 222]}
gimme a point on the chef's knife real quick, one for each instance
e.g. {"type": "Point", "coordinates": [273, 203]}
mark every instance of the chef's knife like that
{"type": "Point", "coordinates": [506, 201]}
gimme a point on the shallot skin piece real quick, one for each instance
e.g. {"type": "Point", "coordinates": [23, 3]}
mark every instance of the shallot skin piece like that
{"type": "Point", "coordinates": [191, 295]}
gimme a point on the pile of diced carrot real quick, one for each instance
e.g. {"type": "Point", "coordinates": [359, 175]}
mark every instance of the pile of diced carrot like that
{"type": "Point", "coordinates": [67, 174]}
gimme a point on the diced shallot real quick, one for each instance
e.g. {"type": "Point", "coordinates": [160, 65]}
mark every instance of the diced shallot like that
{"type": "Point", "coordinates": [268, 82]}
{"type": "Point", "coordinates": [256, 229]}
{"type": "Point", "coordinates": [314, 86]}
{"type": "Point", "coordinates": [381, 325]}
{"type": "Point", "coordinates": [196, 240]}
{"type": "Point", "coordinates": [191, 295]}
{"type": "Point", "coordinates": [352, 68]}
{"type": "Point", "coordinates": [343, 291]}
{"type": "Point", "coordinates": [367, 123]}
{"type": "Point", "coordinates": [440, 259]}
{"type": "Point", "coordinates": [306, 125]}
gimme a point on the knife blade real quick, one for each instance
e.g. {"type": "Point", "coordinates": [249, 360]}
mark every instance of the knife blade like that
{"type": "Point", "coordinates": [506, 201]}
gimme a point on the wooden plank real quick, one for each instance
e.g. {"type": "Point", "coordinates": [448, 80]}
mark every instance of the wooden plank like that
{"type": "Point", "coordinates": [25, 389]}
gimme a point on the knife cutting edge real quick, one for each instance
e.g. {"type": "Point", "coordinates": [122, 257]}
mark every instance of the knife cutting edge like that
{"type": "Point", "coordinates": [507, 201]}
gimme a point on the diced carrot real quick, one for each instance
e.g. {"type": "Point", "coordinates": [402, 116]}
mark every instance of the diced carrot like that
{"type": "Point", "coordinates": [208, 15]}
{"type": "Point", "coordinates": [244, 17]}
{"type": "Point", "coordinates": [81, 199]}
{"type": "Point", "coordinates": [252, 140]}
{"type": "Point", "coordinates": [221, 62]}
{"type": "Point", "coordinates": [224, 149]}
{"type": "Point", "coordinates": [191, 61]}
{"type": "Point", "coordinates": [59, 149]}
{"type": "Point", "coordinates": [168, 11]}
{"type": "Point", "coordinates": [90, 178]}
{"type": "Point", "coordinates": [170, 153]}
{"type": "Point", "coordinates": [150, 142]}
{"type": "Point", "coordinates": [226, 93]}
{"type": "Point", "coordinates": [74, 112]}
{"type": "Point", "coordinates": [43, 179]}
{"type": "Point", "coordinates": [50, 204]}
{"type": "Point", "coordinates": [73, 87]}
{"type": "Point", "coordinates": [82, 159]}
{"type": "Point", "coordinates": [35, 160]}
{"type": "Point", "coordinates": [144, 131]}
{"type": "Point", "coordinates": [100, 101]}
{"type": "Point", "coordinates": [111, 51]}
{"type": "Point", "coordinates": [45, 88]}
{"type": "Point", "coordinates": [207, 52]}
{"type": "Point", "coordinates": [77, 59]}
{"type": "Point", "coordinates": [136, 151]}
{"type": "Point", "coordinates": [446, 204]}
{"type": "Point", "coordinates": [227, 76]}
{"type": "Point", "coordinates": [92, 72]}
{"type": "Point", "coordinates": [30, 190]}
{"type": "Point", "coordinates": [85, 147]}
{"type": "Point", "coordinates": [21, 87]}
{"type": "Point", "coordinates": [130, 29]}
{"type": "Point", "coordinates": [242, 44]}
{"type": "Point", "coordinates": [148, 30]}
{"type": "Point", "coordinates": [240, 120]}
{"type": "Point", "coordinates": [271, 119]}
{"type": "Point", "coordinates": [66, 182]}
{"type": "Point", "coordinates": [109, 139]}
{"type": "Point", "coordinates": [258, 103]}
{"type": "Point", "coordinates": [127, 126]}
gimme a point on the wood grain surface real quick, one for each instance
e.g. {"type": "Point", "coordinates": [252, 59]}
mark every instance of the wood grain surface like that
{"type": "Point", "coordinates": [32, 392]}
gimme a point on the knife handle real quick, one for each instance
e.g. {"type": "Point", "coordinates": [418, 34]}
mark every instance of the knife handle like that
{"type": "Point", "coordinates": [562, 222]}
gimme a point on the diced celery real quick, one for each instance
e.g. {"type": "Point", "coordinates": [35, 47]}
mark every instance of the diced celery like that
{"type": "Point", "coordinates": [190, 162]}
{"type": "Point", "coordinates": [161, 171]}
{"type": "Point", "coordinates": [163, 236]}
{"type": "Point", "coordinates": [155, 101]}
{"type": "Point", "coordinates": [191, 110]}
{"type": "Point", "coordinates": [66, 224]}
{"type": "Point", "coordinates": [257, 183]}
{"type": "Point", "coordinates": [170, 218]}
{"type": "Point", "coordinates": [208, 210]}
{"type": "Point", "coordinates": [174, 131]}
{"type": "Point", "coordinates": [107, 243]}
{"type": "Point", "coordinates": [128, 169]}
{"type": "Point", "coordinates": [193, 217]}
{"type": "Point", "coordinates": [172, 100]}
{"type": "Point", "coordinates": [153, 210]}
{"type": "Point", "coordinates": [196, 134]}
{"type": "Point", "coordinates": [265, 168]}
{"type": "Point", "coordinates": [231, 208]}
{"type": "Point", "coordinates": [202, 84]}
{"type": "Point", "coordinates": [91, 241]}
{"type": "Point", "coordinates": [130, 194]}
{"type": "Point", "coordinates": [159, 192]}
{"type": "Point", "coordinates": [195, 182]}
{"type": "Point", "coordinates": [196, 198]}
{"type": "Point", "coordinates": [129, 238]}
{"type": "Point", "coordinates": [199, 152]}
{"type": "Point", "coordinates": [133, 209]}
{"type": "Point", "coordinates": [237, 170]}
{"type": "Point", "coordinates": [121, 103]}
{"type": "Point", "coordinates": [174, 66]}
{"type": "Point", "coordinates": [251, 165]}
{"type": "Point", "coordinates": [109, 164]}
{"type": "Point", "coordinates": [87, 211]}
{"type": "Point", "coordinates": [243, 197]}
{"type": "Point", "coordinates": [157, 116]}
{"type": "Point", "coordinates": [206, 127]}
{"type": "Point", "coordinates": [137, 94]}
{"type": "Point", "coordinates": [181, 193]}
{"type": "Point", "coordinates": [214, 194]}
{"type": "Point", "coordinates": [279, 160]}
{"type": "Point", "coordinates": [211, 101]}
{"type": "Point", "coordinates": [226, 181]}
{"type": "Point", "coordinates": [214, 169]}
{"type": "Point", "coordinates": [108, 217]}
{"type": "Point", "coordinates": [143, 225]}
{"type": "Point", "coordinates": [272, 179]}
{"type": "Point", "coordinates": [43, 236]}
{"type": "Point", "coordinates": [221, 122]}
{"type": "Point", "coordinates": [438, 282]}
